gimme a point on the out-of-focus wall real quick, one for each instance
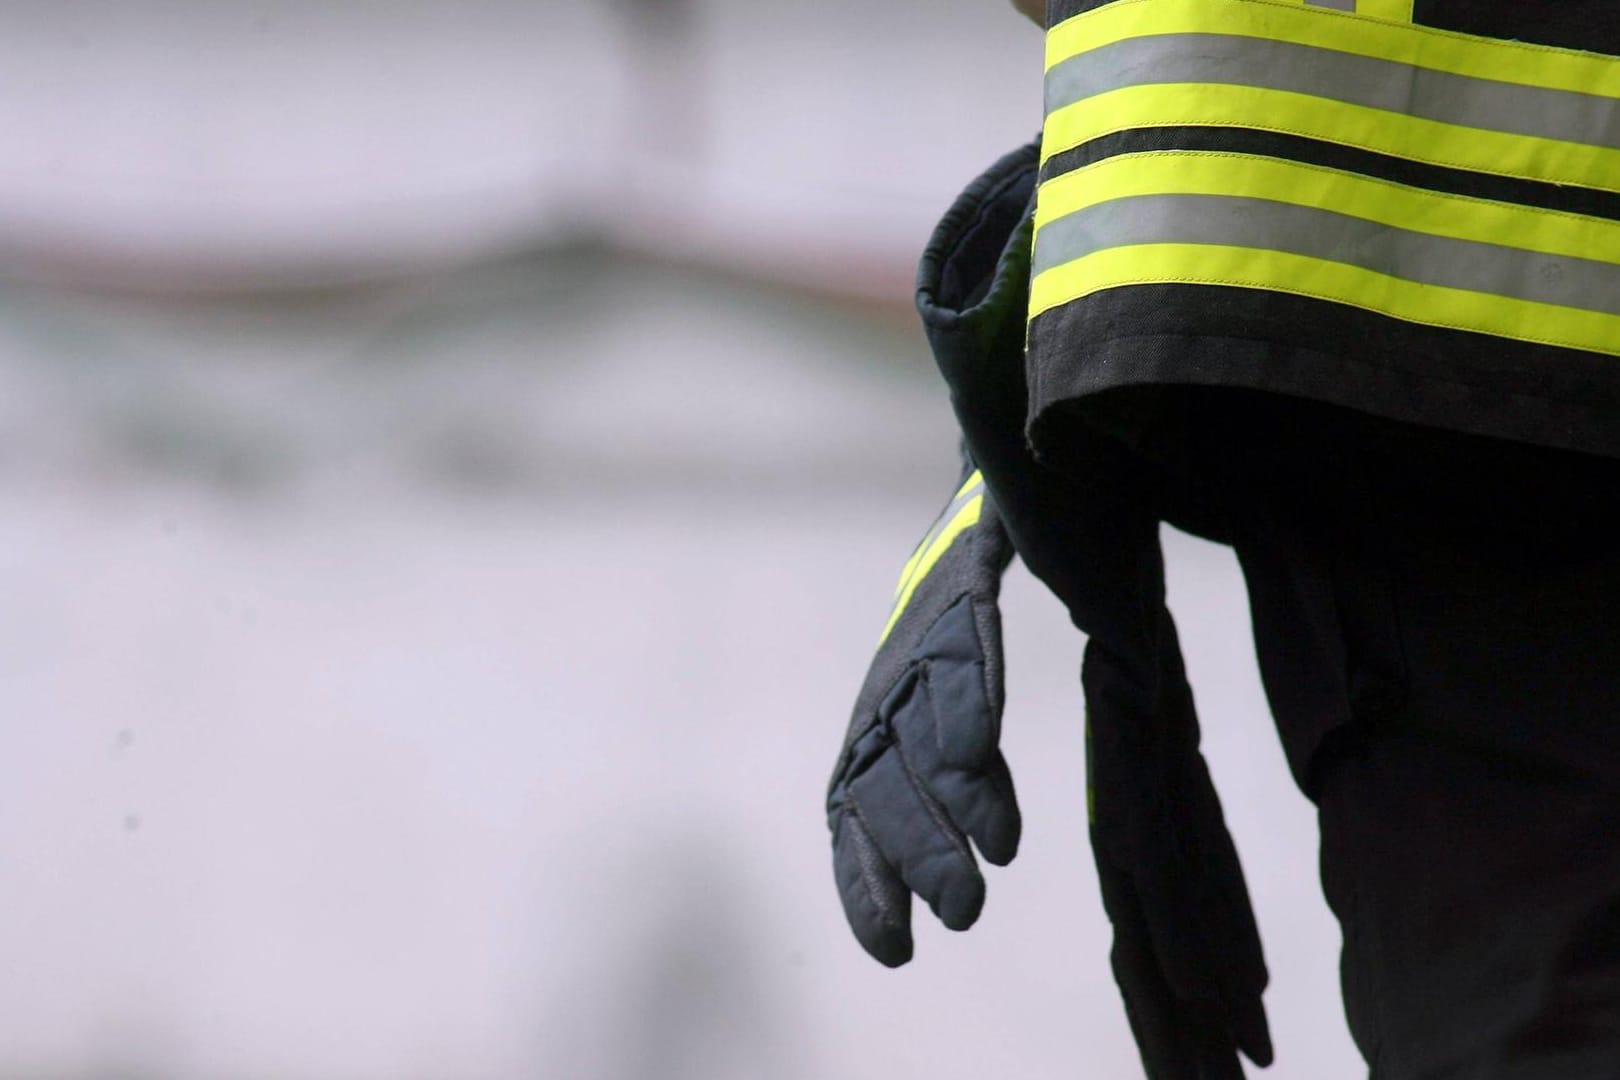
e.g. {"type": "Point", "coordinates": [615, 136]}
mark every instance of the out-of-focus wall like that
{"type": "Point", "coordinates": [176, 142]}
{"type": "Point", "coordinates": [453, 464]}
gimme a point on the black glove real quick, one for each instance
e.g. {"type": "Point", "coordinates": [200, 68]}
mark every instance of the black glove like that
{"type": "Point", "coordinates": [1186, 953]}
{"type": "Point", "coordinates": [920, 771]}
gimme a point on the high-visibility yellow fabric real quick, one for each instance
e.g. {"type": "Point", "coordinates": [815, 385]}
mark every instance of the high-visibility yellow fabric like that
{"type": "Point", "coordinates": [1515, 62]}
{"type": "Point", "coordinates": [1298, 275]}
{"type": "Point", "coordinates": [963, 520]}
{"type": "Point", "coordinates": [972, 485]}
{"type": "Point", "coordinates": [1394, 10]}
{"type": "Point", "coordinates": [1413, 138]}
{"type": "Point", "coordinates": [1193, 172]}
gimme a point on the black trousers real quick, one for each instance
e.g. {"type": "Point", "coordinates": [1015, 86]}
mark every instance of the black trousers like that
{"type": "Point", "coordinates": [1438, 625]}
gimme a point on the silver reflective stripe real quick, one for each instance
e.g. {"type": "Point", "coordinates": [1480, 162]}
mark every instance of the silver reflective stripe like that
{"type": "Point", "coordinates": [944, 520]}
{"type": "Point", "coordinates": [1358, 80]}
{"type": "Point", "coordinates": [1340, 5]}
{"type": "Point", "coordinates": [1236, 221]}
{"type": "Point", "coordinates": [968, 494]}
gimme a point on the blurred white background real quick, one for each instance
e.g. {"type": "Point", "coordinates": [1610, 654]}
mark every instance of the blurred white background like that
{"type": "Point", "coordinates": [454, 461]}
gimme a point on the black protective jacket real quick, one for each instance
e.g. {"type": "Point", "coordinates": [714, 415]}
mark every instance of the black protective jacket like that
{"type": "Point", "coordinates": [1126, 357]}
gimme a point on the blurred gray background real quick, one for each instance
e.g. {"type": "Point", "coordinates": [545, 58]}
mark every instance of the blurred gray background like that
{"type": "Point", "coordinates": [454, 461]}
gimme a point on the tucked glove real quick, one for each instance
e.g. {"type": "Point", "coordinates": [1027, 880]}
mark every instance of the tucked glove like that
{"type": "Point", "coordinates": [1186, 953]}
{"type": "Point", "coordinates": [1186, 950]}
{"type": "Point", "coordinates": [920, 773]}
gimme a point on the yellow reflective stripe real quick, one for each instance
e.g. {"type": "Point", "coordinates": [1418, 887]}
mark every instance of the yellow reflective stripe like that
{"type": "Point", "coordinates": [976, 480]}
{"type": "Point", "coordinates": [965, 519]}
{"type": "Point", "coordinates": [910, 567]}
{"type": "Point", "coordinates": [1398, 135]}
{"type": "Point", "coordinates": [1421, 46]}
{"type": "Point", "coordinates": [1397, 10]}
{"type": "Point", "coordinates": [1191, 172]}
{"type": "Point", "coordinates": [1300, 275]}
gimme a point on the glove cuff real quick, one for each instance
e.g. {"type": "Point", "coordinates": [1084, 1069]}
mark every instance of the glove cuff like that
{"type": "Point", "coordinates": [974, 274]}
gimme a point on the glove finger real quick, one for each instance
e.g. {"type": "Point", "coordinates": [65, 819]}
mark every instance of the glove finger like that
{"type": "Point", "coordinates": [1204, 955]}
{"type": "Point", "coordinates": [876, 902]}
{"type": "Point", "coordinates": [1178, 921]}
{"type": "Point", "coordinates": [980, 801]}
{"type": "Point", "coordinates": [916, 837]}
{"type": "Point", "coordinates": [1160, 815]}
{"type": "Point", "coordinates": [1179, 1038]}
{"type": "Point", "coordinates": [1198, 911]}
{"type": "Point", "coordinates": [994, 821]}
{"type": "Point", "coordinates": [1220, 1063]}
{"type": "Point", "coordinates": [1230, 904]}
{"type": "Point", "coordinates": [1207, 948]}
{"type": "Point", "coordinates": [1251, 1029]}
{"type": "Point", "coordinates": [1149, 1005]}
{"type": "Point", "coordinates": [962, 656]}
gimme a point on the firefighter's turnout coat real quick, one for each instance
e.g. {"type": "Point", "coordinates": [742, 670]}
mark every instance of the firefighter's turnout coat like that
{"type": "Point", "coordinates": [1408, 208]}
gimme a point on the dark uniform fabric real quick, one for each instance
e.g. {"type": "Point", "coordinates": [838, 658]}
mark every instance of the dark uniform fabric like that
{"type": "Point", "coordinates": [1150, 336]}
{"type": "Point", "coordinates": [1438, 624]}
{"type": "Point", "coordinates": [1437, 619]}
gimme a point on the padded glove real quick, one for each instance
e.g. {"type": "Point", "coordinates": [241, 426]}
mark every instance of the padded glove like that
{"type": "Point", "coordinates": [1186, 952]}
{"type": "Point", "coordinates": [920, 773]}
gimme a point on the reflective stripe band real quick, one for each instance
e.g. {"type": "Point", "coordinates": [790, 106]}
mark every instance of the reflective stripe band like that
{"type": "Point", "coordinates": [1456, 100]}
{"type": "Point", "coordinates": [962, 514]}
{"type": "Point", "coordinates": [1414, 96]}
{"type": "Point", "coordinates": [1409, 137]}
{"type": "Point", "coordinates": [1262, 223]}
{"type": "Point", "coordinates": [1323, 234]}
{"type": "Point", "coordinates": [1417, 46]}
{"type": "Point", "coordinates": [1588, 245]}
{"type": "Point", "coordinates": [1302, 275]}
{"type": "Point", "coordinates": [1219, 61]}
{"type": "Point", "coordinates": [965, 519]}
{"type": "Point", "coordinates": [971, 486]}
